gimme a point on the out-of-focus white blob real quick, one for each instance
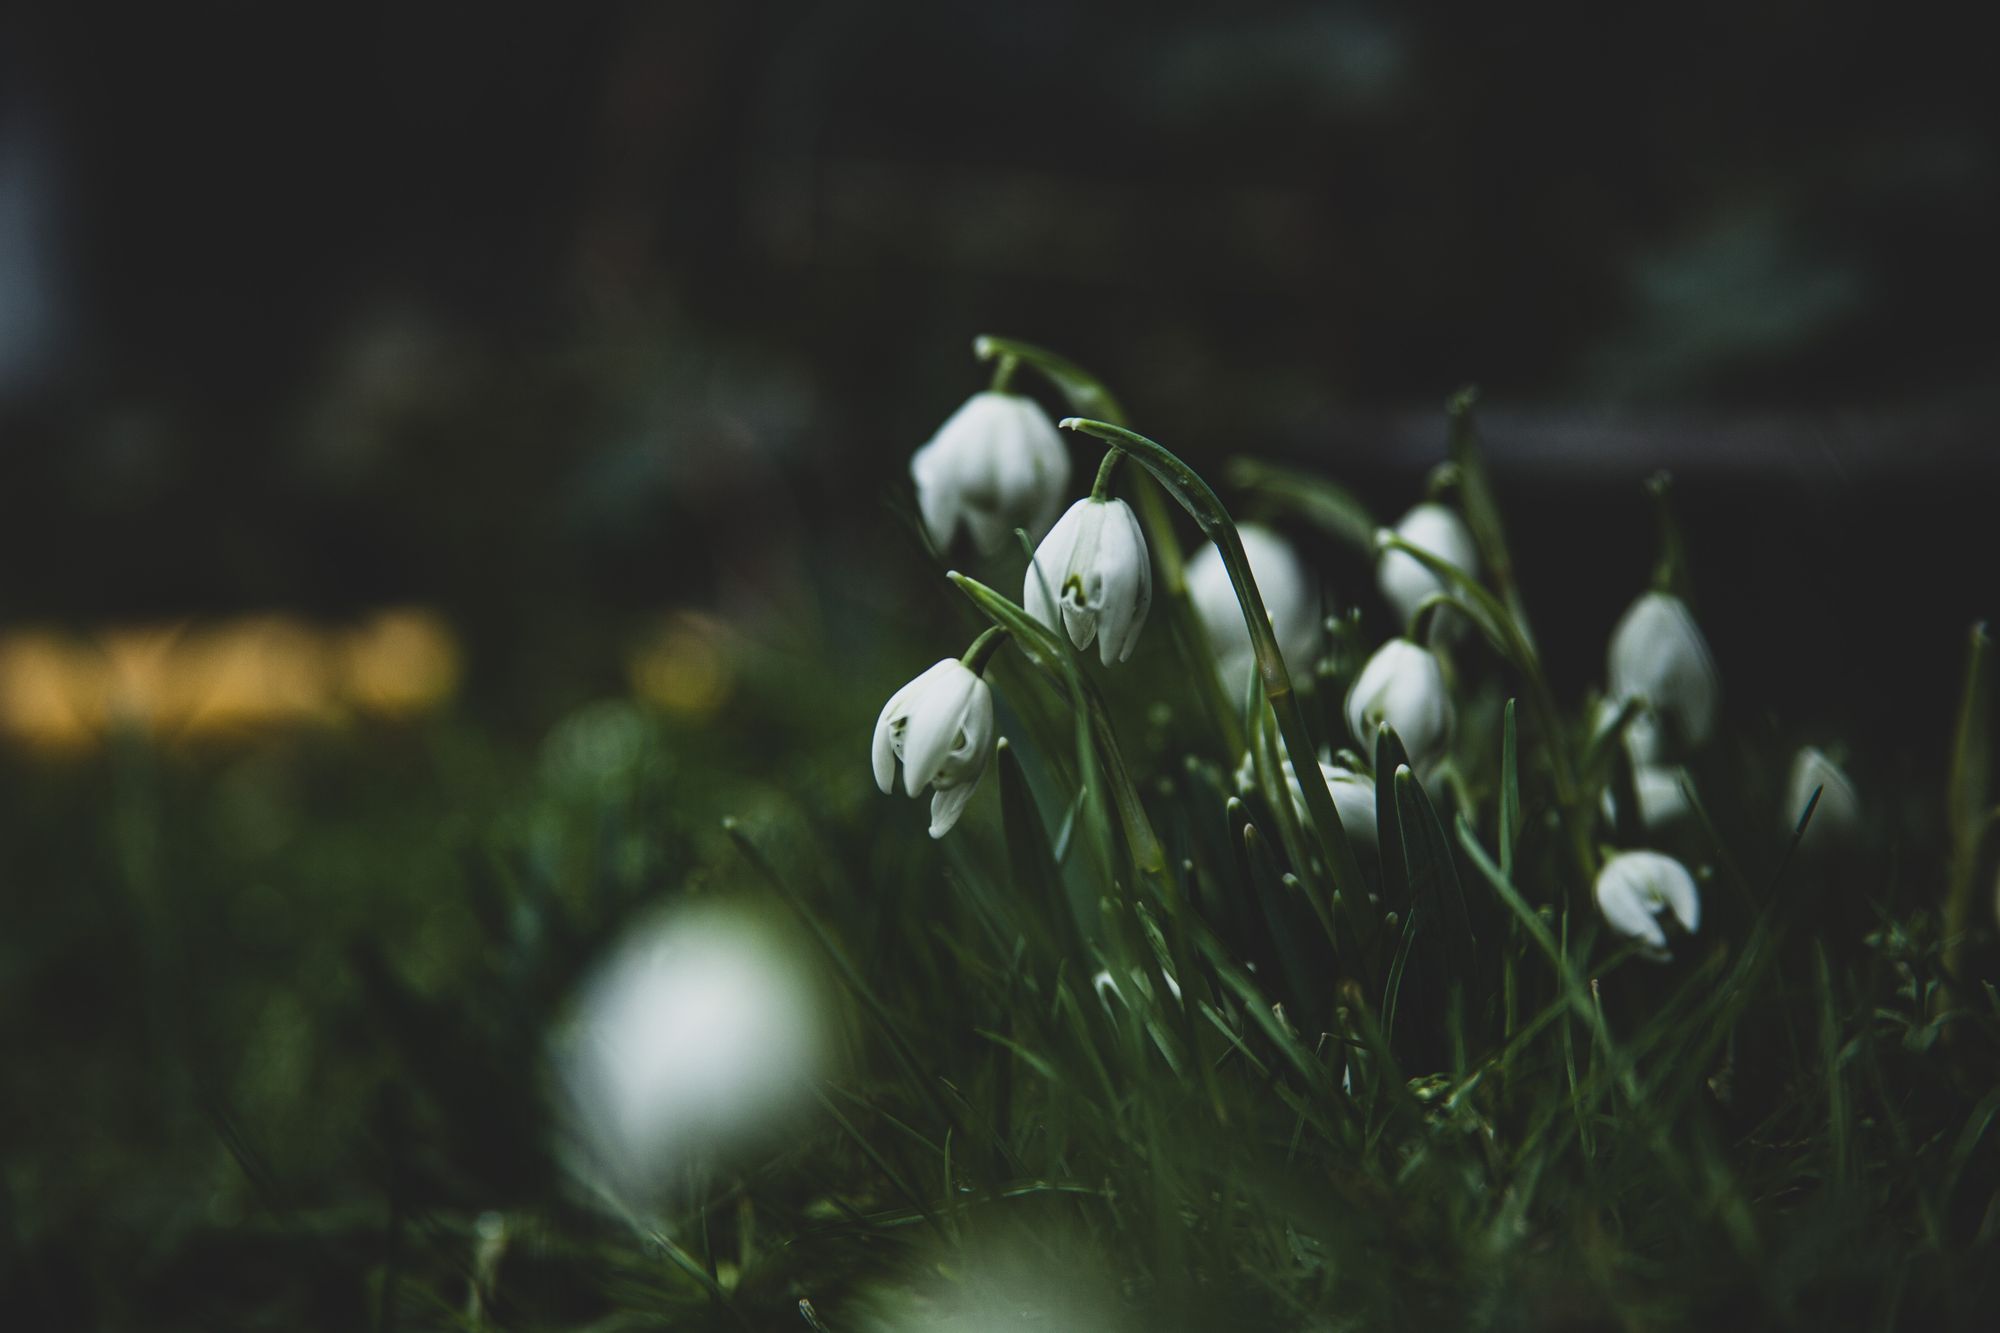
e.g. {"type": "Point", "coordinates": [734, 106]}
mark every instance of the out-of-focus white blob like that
{"type": "Point", "coordinates": [1404, 580]}
{"type": "Point", "coordinates": [1642, 730]}
{"type": "Point", "coordinates": [1837, 817]}
{"type": "Point", "coordinates": [1054, 1280]}
{"type": "Point", "coordinates": [1353, 797]}
{"type": "Point", "coordinates": [1403, 685]}
{"type": "Point", "coordinates": [698, 1032]}
{"type": "Point", "coordinates": [1663, 802]}
{"type": "Point", "coordinates": [1658, 655]}
{"type": "Point", "coordinates": [1290, 601]}
{"type": "Point", "coordinates": [1107, 985]}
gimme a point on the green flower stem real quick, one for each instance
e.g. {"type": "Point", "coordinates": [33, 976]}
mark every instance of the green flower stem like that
{"type": "Point", "coordinates": [1195, 495]}
{"type": "Point", "coordinates": [1100, 490]}
{"type": "Point", "coordinates": [1511, 639]}
{"type": "Point", "coordinates": [1101, 757]}
{"type": "Point", "coordinates": [1003, 373]}
{"type": "Point", "coordinates": [981, 652]}
{"type": "Point", "coordinates": [1670, 572]}
{"type": "Point", "coordinates": [1087, 396]}
{"type": "Point", "coordinates": [1048, 653]}
{"type": "Point", "coordinates": [1328, 507]}
{"type": "Point", "coordinates": [1482, 511]}
{"type": "Point", "coordinates": [1967, 814]}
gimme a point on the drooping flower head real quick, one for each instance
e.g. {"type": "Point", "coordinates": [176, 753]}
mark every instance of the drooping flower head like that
{"type": "Point", "coordinates": [1403, 685]}
{"type": "Point", "coordinates": [996, 464]}
{"type": "Point", "coordinates": [1091, 577]}
{"type": "Point", "coordinates": [1404, 580]}
{"type": "Point", "coordinates": [940, 726]}
{"type": "Point", "coordinates": [1658, 655]}
{"type": "Point", "coordinates": [1289, 599]}
{"type": "Point", "coordinates": [1635, 888]}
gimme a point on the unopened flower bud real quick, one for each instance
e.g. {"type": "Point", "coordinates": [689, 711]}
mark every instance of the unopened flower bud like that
{"type": "Point", "coordinates": [1289, 600]}
{"type": "Point", "coordinates": [1403, 685]}
{"type": "Point", "coordinates": [996, 464]}
{"type": "Point", "coordinates": [1404, 579]}
{"type": "Point", "coordinates": [1658, 655]}
{"type": "Point", "coordinates": [1353, 797]}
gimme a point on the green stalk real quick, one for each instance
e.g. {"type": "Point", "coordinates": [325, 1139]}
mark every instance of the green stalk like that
{"type": "Point", "coordinates": [1971, 763]}
{"type": "Point", "coordinates": [1201, 502]}
{"type": "Point", "coordinates": [1511, 639]}
{"type": "Point", "coordinates": [1047, 652]}
{"type": "Point", "coordinates": [1482, 511]}
{"type": "Point", "coordinates": [1087, 396]}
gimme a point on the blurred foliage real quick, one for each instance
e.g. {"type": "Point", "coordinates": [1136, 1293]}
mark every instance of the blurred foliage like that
{"type": "Point", "coordinates": [277, 1041]}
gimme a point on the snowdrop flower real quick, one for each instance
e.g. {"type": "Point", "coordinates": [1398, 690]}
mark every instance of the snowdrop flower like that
{"type": "Point", "coordinates": [1404, 580]}
{"type": "Point", "coordinates": [1838, 813]}
{"type": "Point", "coordinates": [1634, 888]}
{"type": "Point", "coordinates": [1403, 685]}
{"type": "Point", "coordinates": [996, 464]}
{"type": "Point", "coordinates": [941, 726]}
{"type": "Point", "coordinates": [1353, 797]}
{"type": "Point", "coordinates": [1642, 731]}
{"type": "Point", "coordinates": [699, 1028]}
{"type": "Point", "coordinates": [1289, 600]}
{"type": "Point", "coordinates": [1093, 564]}
{"type": "Point", "coordinates": [1659, 655]}
{"type": "Point", "coordinates": [1663, 801]}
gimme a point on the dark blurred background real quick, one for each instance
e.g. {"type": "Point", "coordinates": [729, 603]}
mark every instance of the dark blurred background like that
{"type": "Point", "coordinates": [553, 317]}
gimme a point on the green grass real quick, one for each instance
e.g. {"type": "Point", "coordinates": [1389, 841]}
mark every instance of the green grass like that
{"type": "Point", "coordinates": [277, 1015]}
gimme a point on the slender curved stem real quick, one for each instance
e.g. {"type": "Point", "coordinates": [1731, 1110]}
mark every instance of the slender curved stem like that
{"type": "Point", "coordinates": [1088, 396]}
{"type": "Point", "coordinates": [989, 642]}
{"type": "Point", "coordinates": [1100, 490]}
{"type": "Point", "coordinates": [1508, 636]}
{"type": "Point", "coordinates": [1199, 499]}
{"type": "Point", "coordinates": [1049, 653]}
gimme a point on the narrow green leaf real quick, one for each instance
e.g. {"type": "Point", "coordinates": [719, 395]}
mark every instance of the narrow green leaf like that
{"type": "Point", "coordinates": [1390, 756]}
{"type": "Point", "coordinates": [1482, 510]}
{"type": "Point", "coordinates": [1050, 654]}
{"type": "Point", "coordinates": [1201, 502]}
{"type": "Point", "coordinates": [1969, 796]}
{"type": "Point", "coordinates": [1434, 881]}
{"type": "Point", "coordinates": [1330, 507]}
{"type": "Point", "coordinates": [1085, 393]}
{"type": "Point", "coordinates": [1032, 861]}
{"type": "Point", "coordinates": [1510, 791]}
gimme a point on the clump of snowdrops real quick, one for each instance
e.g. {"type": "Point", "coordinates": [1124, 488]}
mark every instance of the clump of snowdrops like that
{"type": "Point", "coordinates": [1354, 974]}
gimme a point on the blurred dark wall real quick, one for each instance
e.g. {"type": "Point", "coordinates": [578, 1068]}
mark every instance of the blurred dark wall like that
{"type": "Point", "coordinates": [543, 311]}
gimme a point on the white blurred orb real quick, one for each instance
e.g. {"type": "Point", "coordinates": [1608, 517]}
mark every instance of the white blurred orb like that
{"type": "Point", "coordinates": [698, 1031]}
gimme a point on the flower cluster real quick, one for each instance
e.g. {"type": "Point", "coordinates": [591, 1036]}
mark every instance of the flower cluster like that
{"type": "Point", "coordinates": [998, 465]}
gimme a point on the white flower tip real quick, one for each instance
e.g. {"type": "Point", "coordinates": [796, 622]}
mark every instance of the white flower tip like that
{"type": "Point", "coordinates": [1071, 423]}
